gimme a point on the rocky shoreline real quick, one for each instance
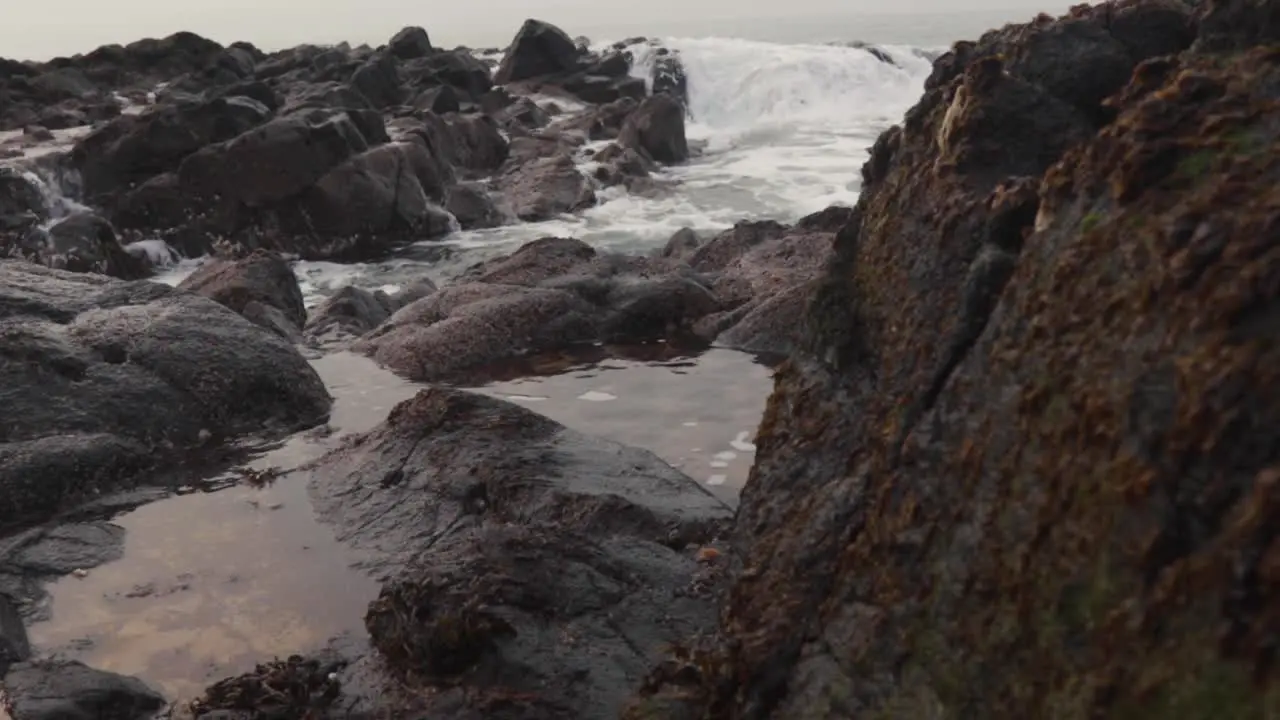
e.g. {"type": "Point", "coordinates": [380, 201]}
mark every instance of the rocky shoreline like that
{"type": "Point", "coordinates": [1019, 461]}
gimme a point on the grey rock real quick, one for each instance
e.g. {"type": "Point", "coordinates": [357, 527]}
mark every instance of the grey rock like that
{"type": "Point", "coordinates": [656, 129]}
{"type": "Point", "coordinates": [538, 49]}
{"type": "Point", "coordinates": [473, 207]}
{"type": "Point", "coordinates": [68, 690]}
{"type": "Point", "coordinates": [544, 188]}
{"type": "Point", "coordinates": [252, 287]}
{"type": "Point", "coordinates": [97, 374]}
{"type": "Point", "coordinates": [410, 43]}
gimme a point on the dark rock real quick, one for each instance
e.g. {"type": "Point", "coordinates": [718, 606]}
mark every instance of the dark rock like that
{"type": "Point", "coordinates": [828, 220]}
{"type": "Point", "coordinates": [69, 690]}
{"type": "Point", "coordinates": [999, 452]}
{"type": "Point", "coordinates": [516, 554]}
{"type": "Point", "coordinates": [469, 142]}
{"type": "Point", "coordinates": [135, 148]}
{"type": "Point", "coordinates": [533, 263]}
{"type": "Point", "coordinates": [378, 80]}
{"type": "Point", "coordinates": [732, 244]}
{"type": "Point", "coordinates": [544, 188]}
{"type": "Point", "coordinates": [348, 313]}
{"type": "Point", "coordinates": [261, 287]}
{"type": "Point", "coordinates": [21, 201]}
{"type": "Point", "coordinates": [647, 309]}
{"type": "Point", "coordinates": [81, 242]}
{"type": "Point", "coordinates": [439, 100]}
{"type": "Point", "coordinates": [102, 377]}
{"type": "Point", "coordinates": [538, 49]}
{"type": "Point", "coordinates": [656, 130]}
{"type": "Point", "coordinates": [473, 207]}
{"type": "Point", "coordinates": [462, 70]}
{"type": "Point", "coordinates": [14, 646]}
{"type": "Point", "coordinates": [324, 95]}
{"type": "Point", "coordinates": [384, 196]}
{"type": "Point", "coordinates": [523, 114]}
{"type": "Point", "coordinates": [64, 84]}
{"type": "Point", "coordinates": [467, 327]}
{"type": "Point", "coordinates": [61, 549]}
{"type": "Point", "coordinates": [668, 77]}
{"type": "Point", "coordinates": [39, 133]}
{"type": "Point", "coordinates": [253, 89]}
{"type": "Point", "coordinates": [410, 43]}
{"type": "Point", "coordinates": [273, 162]}
{"type": "Point", "coordinates": [495, 100]}
{"type": "Point", "coordinates": [601, 89]}
{"type": "Point", "coordinates": [601, 123]}
{"type": "Point", "coordinates": [682, 244]}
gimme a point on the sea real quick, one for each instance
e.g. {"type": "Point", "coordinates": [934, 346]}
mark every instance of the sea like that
{"type": "Point", "coordinates": [218, 575]}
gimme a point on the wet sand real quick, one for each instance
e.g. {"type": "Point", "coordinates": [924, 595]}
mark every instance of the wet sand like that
{"type": "Point", "coordinates": [212, 583]}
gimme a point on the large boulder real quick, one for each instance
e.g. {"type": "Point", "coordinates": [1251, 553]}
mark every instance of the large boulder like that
{"type": "Point", "coordinates": [136, 147]}
{"type": "Point", "coordinates": [261, 287]}
{"type": "Point", "coordinates": [378, 80]}
{"type": "Point", "coordinates": [519, 559]}
{"type": "Point", "coordinates": [80, 242]}
{"type": "Point", "coordinates": [1023, 463]}
{"type": "Point", "coordinates": [464, 329]}
{"type": "Point", "coordinates": [544, 188]}
{"type": "Point", "coordinates": [656, 129]}
{"type": "Point", "coordinates": [410, 43]}
{"type": "Point", "coordinates": [273, 162]}
{"type": "Point", "coordinates": [386, 195]}
{"type": "Point", "coordinates": [538, 49]}
{"type": "Point", "coordinates": [68, 690]}
{"type": "Point", "coordinates": [463, 71]}
{"type": "Point", "coordinates": [102, 378]}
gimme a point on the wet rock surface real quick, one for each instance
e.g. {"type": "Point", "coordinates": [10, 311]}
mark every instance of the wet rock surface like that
{"type": "Point", "coordinates": [519, 558]}
{"type": "Point", "coordinates": [108, 377]}
{"type": "Point", "coordinates": [554, 293]}
{"type": "Point", "coordinates": [995, 480]}
{"type": "Point", "coordinates": [56, 690]}
{"type": "Point", "coordinates": [262, 288]}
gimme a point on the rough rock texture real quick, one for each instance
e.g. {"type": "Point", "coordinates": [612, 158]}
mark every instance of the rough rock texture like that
{"type": "Point", "coordinates": [656, 129]}
{"type": "Point", "coordinates": [541, 189]}
{"type": "Point", "coordinates": [101, 378]}
{"type": "Point", "coordinates": [14, 646]}
{"type": "Point", "coordinates": [1025, 464]}
{"type": "Point", "coordinates": [522, 561]}
{"type": "Point", "coordinates": [538, 49]}
{"type": "Point", "coordinates": [81, 242]}
{"type": "Point", "coordinates": [65, 690]}
{"type": "Point", "coordinates": [557, 292]}
{"type": "Point", "coordinates": [261, 287]}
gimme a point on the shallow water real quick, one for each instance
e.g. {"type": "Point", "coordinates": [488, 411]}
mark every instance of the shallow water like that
{"type": "Point", "coordinates": [212, 583]}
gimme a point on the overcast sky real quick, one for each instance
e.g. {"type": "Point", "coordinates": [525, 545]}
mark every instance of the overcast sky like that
{"type": "Point", "coordinates": [39, 29]}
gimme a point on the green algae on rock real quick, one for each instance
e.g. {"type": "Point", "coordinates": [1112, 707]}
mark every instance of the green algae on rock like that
{"type": "Point", "coordinates": [1026, 464]}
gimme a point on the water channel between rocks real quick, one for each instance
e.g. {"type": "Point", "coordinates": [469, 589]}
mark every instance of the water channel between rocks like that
{"type": "Point", "coordinates": [211, 583]}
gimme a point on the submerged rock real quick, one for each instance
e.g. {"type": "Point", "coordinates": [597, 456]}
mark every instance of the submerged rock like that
{"type": "Point", "coordinates": [519, 558]}
{"type": "Point", "coordinates": [103, 378]}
